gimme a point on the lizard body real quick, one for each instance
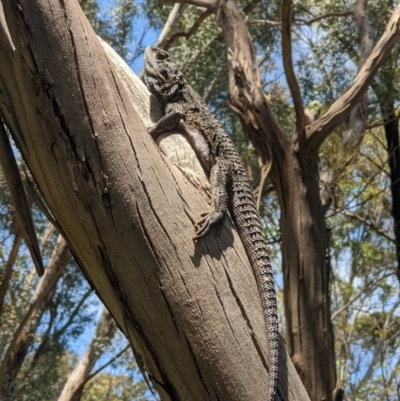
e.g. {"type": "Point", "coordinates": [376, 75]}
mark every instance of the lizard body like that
{"type": "Point", "coordinates": [230, 186]}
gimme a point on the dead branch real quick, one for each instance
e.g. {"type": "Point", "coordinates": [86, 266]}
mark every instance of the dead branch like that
{"type": "Point", "coordinates": [18, 196]}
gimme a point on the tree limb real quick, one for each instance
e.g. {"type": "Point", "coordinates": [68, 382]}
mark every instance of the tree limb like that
{"type": "Point", "coordinates": [358, 116]}
{"type": "Point", "coordinates": [209, 4]}
{"type": "Point", "coordinates": [301, 120]}
{"type": "Point", "coordinates": [318, 131]}
{"type": "Point", "coordinates": [321, 17]}
{"type": "Point", "coordinates": [367, 287]}
{"type": "Point", "coordinates": [365, 29]}
{"type": "Point", "coordinates": [245, 88]}
{"type": "Point", "coordinates": [189, 32]}
{"type": "Point", "coordinates": [73, 314]}
{"type": "Point", "coordinates": [250, 6]}
{"type": "Point", "coordinates": [264, 22]}
{"type": "Point", "coordinates": [109, 362]}
{"type": "Point", "coordinates": [368, 223]}
{"type": "Point", "coordinates": [4, 28]}
{"type": "Point", "coordinates": [168, 25]}
{"type": "Point", "coordinates": [301, 20]}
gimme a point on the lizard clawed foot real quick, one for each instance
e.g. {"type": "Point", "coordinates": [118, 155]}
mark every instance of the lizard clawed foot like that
{"type": "Point", "coordinates": [207, 220]}
{"type": "Point", "coordinates": [201, 219]}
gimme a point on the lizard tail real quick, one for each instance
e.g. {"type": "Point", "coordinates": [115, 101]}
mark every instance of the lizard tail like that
{"type": "Point", "coordinates": [247, 221]}
{"type": "Point", "coordinates": [266, 288]}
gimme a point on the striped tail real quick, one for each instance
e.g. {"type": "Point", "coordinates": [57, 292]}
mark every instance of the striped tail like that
{"type": "Point", "coordinates": [247, 221]}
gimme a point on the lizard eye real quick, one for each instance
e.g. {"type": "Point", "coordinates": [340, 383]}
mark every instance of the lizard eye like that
{"type": "Point", "coordinates": [162, 56]}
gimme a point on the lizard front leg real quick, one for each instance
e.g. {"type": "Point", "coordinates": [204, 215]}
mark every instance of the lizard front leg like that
{"type": "Point", "coordinates": [173, 115]}
{"type": "Point", "coordinates": [220, 180]}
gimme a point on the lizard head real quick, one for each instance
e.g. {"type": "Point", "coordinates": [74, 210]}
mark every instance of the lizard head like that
{"type": "Point", "coordinates": [161, 71]}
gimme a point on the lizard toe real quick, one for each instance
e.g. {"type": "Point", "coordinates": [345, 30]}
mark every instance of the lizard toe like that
{"type": "Point", "coordinates": [206, 222]}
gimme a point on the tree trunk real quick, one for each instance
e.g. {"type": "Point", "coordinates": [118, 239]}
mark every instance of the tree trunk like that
{"type": "Point", "coordinates": [105, 331]}
{"type": "Point", "coordinates": [191, 311]}
{"type": "Point", "coordinates": [306, 277]}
